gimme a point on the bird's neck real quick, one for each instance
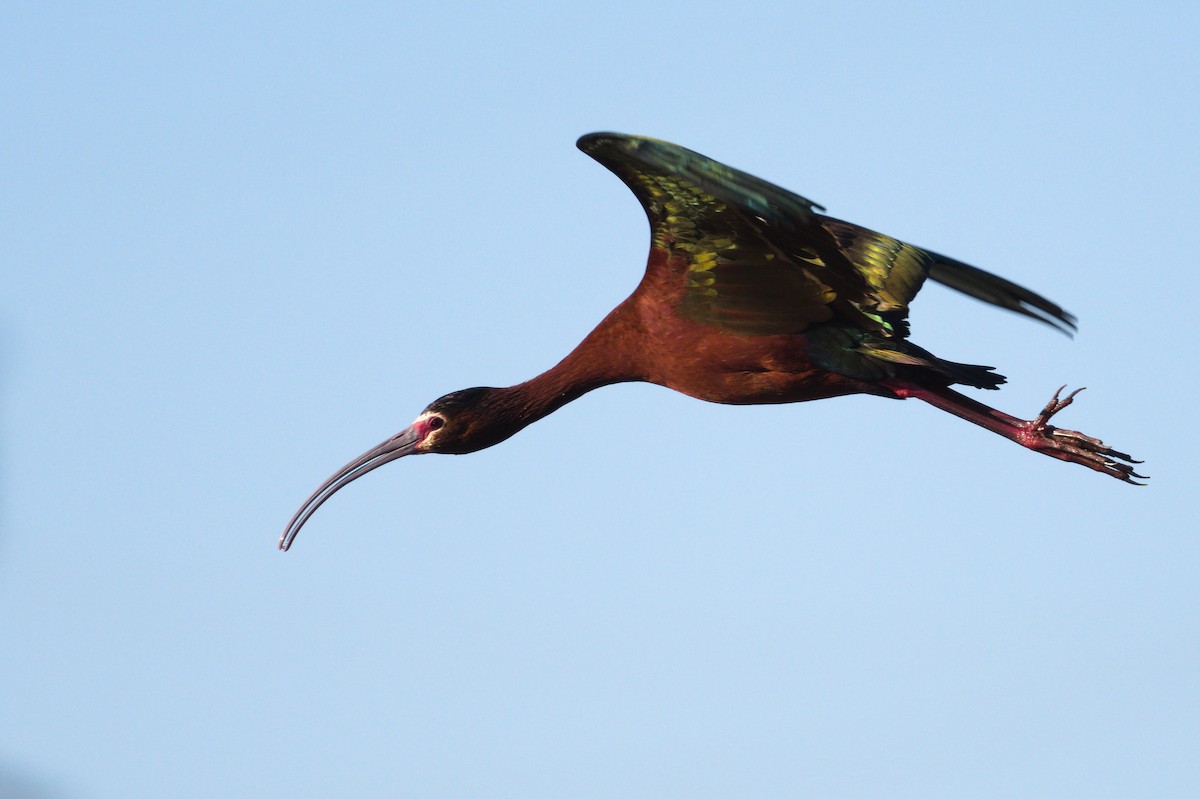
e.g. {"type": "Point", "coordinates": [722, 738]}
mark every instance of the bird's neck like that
{"type": "Point", "coordinates": [606, 356]}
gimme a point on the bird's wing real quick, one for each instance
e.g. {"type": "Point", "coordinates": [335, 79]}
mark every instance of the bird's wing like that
{"type": "Point", "coordinates": [896, 271]}
{"type": "Point", "coordinates": [758, 259]}
{"type": "Point", "coordinates": [1001, 292]}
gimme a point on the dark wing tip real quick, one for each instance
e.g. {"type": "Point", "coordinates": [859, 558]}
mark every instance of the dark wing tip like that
{"type": "Point", "coordinates": [595, 143]}
{"type": "Point", "coordinates": [1001, 292]}
{"type": "Point", "coordinates": [590, 140]}
{"type": "Point", "coordinates": [631, 155]}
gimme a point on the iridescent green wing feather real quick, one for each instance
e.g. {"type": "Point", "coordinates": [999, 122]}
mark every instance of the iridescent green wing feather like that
{"type": "Point", "coordinates": [758, 260]}
{"type": "Point", "coordinates": [896, 271]}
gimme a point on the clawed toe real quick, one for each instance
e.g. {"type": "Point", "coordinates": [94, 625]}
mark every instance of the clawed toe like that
{"type": "Point", "coordinates": [1055, 405]}
{"type": "Point", "coordinates": [1073, 446]}
{"type": "Point", "coordinates": [1036, 434]}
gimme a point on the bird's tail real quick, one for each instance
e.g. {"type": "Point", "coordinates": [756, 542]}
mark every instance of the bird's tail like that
{"type": "Point", "coordinates": [863, 355]}
{"type": "Point", "coordinates": [905, 353]}
{"type": "Point", "coordinates": [996, 290]}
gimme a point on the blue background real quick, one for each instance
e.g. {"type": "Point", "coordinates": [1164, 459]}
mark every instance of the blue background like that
{"type": "Point", "coordinates": [243, 242]}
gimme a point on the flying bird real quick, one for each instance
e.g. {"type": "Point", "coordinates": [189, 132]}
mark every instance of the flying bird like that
{"type": "Point", "coordinates": [750, 296]}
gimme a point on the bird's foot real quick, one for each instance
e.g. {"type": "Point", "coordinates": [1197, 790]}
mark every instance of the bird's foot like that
{"type": "Point", "coordinates": [1075, 447]}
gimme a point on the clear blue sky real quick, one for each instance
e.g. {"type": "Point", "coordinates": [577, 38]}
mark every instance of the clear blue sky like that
{"type": "Point", "coordinates": [242, 243]}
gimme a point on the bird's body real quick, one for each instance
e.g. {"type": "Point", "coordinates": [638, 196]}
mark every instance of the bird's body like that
{"type": "Point", "coordinates": [690, 357]}
{"type": "Point", "coordinates": [749, 297]}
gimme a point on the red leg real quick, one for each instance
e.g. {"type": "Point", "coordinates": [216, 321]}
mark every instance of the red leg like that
{"type": "Point", "coordinates": [1037, 434]}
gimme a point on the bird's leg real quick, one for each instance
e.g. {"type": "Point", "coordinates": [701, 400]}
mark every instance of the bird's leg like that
{"type": "Point", "coordinates": [1036, 434]}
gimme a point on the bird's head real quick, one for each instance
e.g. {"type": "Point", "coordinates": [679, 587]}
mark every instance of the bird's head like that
{"type": "Point", "coordinates": [458, 423]}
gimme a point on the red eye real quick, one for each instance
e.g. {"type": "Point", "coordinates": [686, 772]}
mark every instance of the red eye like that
{"type": "Point", "coordinates": [435, 422]}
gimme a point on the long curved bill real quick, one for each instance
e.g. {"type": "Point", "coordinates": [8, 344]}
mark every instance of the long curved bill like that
{"type": "Point", "coordinates": [403, 443]}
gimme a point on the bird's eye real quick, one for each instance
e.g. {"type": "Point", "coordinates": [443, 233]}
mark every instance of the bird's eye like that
{"type": "Point", "coordinates": [435, 422]}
